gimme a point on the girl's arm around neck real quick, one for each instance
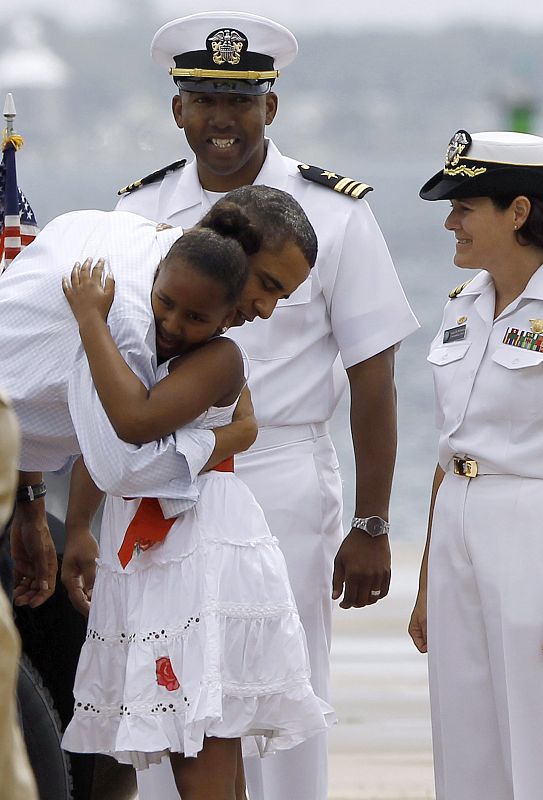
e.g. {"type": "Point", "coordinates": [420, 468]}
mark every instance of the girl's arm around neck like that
{"type": "Point", "coordinates": [210, 375]}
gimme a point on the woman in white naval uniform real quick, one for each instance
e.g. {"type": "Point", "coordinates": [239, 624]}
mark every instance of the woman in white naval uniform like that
{"type": "Point", "coordinates": [481, 579]}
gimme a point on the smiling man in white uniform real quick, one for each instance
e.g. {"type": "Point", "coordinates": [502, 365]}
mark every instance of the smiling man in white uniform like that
{"type": "Point", "coordinates": [224, 65]}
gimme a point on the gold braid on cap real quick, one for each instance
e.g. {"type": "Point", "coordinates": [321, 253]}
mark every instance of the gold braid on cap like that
{"type": "Point", "coordinates": [250, 75]}
{"type": "Point", "coordinates": [464, 169]}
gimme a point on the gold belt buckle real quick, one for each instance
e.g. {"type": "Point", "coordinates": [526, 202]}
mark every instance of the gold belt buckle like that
{"type": "Point", "coordinates": [466, 467]}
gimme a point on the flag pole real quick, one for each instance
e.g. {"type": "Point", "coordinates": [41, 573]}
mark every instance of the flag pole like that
{"type": "Point", "coordinates": [10, 137]}
{"type": "Point", "coordinates": [9, 114]}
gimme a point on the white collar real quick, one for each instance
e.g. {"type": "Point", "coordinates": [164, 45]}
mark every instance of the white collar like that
{"type": "Point", "coordinates": [182, 189]}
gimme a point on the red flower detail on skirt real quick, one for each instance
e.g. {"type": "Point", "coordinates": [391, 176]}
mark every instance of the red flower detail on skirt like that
{"type": "Point", "coordinates": [165, 676]}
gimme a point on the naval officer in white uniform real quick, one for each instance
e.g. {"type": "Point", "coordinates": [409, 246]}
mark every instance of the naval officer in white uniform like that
{"type": "Point", "coordinates": [344, 321]}
{"type": "Point", "coordinates": [482, 587]}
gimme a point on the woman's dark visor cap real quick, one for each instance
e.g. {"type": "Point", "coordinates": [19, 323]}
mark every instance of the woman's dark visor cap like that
{"type": "Point", "coordinates": [490, 163]}
{"type": "Point", "coordinates": [224, 51]}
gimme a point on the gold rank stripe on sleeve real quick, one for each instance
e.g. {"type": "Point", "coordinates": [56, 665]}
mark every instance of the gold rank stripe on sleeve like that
{"type": "Point", "coordinates": [332, 180]}
{"type": "Point", "coordinates": [153, 177]}
{"type": "Point", "coordinates": [455, 292]}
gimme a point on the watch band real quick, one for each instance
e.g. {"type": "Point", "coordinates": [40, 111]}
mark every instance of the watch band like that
{"type": "Point", "coordinates": [362, 524]}
{"type": "Point", "coordinates": [26, 494]}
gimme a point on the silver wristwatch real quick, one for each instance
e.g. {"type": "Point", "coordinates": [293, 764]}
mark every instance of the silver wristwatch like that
{"type": "Point", "coordinates": [375, 526]}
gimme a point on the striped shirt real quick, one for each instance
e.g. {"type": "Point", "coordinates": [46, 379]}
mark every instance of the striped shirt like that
{"type": "Point", "coordinates": [44, 369]}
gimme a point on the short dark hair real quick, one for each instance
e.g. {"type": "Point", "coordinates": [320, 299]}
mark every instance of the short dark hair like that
{"type": "Point", "coordinates": [219, 248]}
{"type": "Point", "coordinates": [532, 230]}
{"type": "Point", "coordinates": [277, 217]}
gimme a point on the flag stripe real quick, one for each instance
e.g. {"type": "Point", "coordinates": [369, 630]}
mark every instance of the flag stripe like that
{"type": "Point", "coordinates": [18, 227]}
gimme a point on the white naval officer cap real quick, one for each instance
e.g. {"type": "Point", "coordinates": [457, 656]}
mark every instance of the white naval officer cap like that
{"type": "Point", "coordinates": [489, 163]}
{"type": "Point", "coordinates": [224, 51]}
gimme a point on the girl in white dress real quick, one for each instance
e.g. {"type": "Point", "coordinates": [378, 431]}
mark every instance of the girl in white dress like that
{"type": "Point", "coordinates": [194, 646]}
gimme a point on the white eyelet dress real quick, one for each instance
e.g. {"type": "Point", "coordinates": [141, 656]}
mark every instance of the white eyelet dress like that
{"type": "Point", "coordinates": [198, 636]}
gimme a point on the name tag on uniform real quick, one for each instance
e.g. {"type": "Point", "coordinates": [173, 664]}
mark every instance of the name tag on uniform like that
{"type": "Point", "coordinates": [454, 334]}
{"type": "Point", "coordinates": [527, 340]}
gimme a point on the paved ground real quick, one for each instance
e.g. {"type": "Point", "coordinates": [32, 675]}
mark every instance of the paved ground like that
{"type": "Point", "coordinates": [381, 750]}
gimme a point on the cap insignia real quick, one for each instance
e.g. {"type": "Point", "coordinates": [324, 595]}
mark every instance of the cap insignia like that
{"type": "Point", "coordinates": [348, 186]}
{"type": "Point", "coordinates": [227, 46]}
{"type": "Point", "coordinates": [460, 141]}
{"type": "Point", "coordinates": [460, 144]}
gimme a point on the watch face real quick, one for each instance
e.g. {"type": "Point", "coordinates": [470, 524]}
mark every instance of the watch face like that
{"type": "Point", "coordinates": [375, 526]}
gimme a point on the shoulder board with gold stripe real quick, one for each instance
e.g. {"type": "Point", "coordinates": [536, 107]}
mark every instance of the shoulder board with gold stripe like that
{"type": "Point", "coordinates": [154, 176]}
{"type": "Point", "coordinates": [334, 181]}
{"type": "Point", "coordinates": [456, 292]}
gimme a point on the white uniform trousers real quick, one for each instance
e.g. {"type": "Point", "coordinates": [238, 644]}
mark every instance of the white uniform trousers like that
{"type": "Point", "coordinates": [294, 474]}
{"type": "Point", "coordinates": [485, 638]}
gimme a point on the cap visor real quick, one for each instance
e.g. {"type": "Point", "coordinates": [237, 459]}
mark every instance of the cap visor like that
{"type": "Point", "coordinates": [224, 86]}
{"type": "Point", "coordinates": [497, 179]}
{"type": "Point", "coordinates": [439, 188]}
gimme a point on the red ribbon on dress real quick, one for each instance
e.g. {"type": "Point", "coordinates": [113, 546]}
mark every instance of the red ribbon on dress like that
{"type": "Point", "coordinates": [225, 466]}
{"type": "Point", "coordinates": [149, 527]}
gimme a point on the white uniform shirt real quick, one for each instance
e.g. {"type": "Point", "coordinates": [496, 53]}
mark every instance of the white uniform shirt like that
{"type": "Point", "coordinates": [42, 356]}
{"type": "Point", "coordinates": [489, 393]}
{"type": "Point", "coordinates": [351, 304]}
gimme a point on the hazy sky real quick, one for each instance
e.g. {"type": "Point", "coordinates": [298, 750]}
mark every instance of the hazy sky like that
{"type": "Point", "coordinates": [413, 13]}
{"type": "Point", "coordinates": [303, 14]}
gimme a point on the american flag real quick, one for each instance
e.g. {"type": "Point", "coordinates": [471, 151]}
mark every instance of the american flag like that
{"type": "Point", "coordinates": [18, 225]}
